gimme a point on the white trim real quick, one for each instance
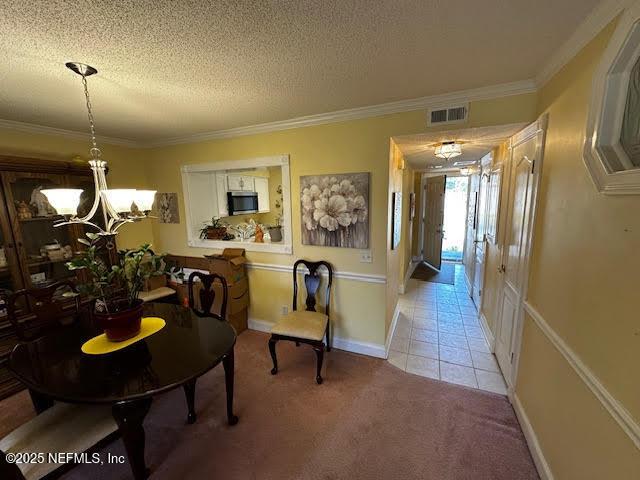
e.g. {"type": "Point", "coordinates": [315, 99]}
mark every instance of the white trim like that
{"type": "Point", "coordinates": [277, 160]}
{"type": "Point", "coordinates": [606, 108]}
{"type": "Point", "coordinates": [356, 277]}
{"type": "Point", "coordinates": [462, 96]}
{"type": "Point", "coordinates": [407, 276]}
{"type": "Point", "coordinates": [348, 345]}
{"type": "Point", "coordinates": [544, 471]}
{"type": "Point", "coordinates": [599, 18]}
{"type": "Point", "coordinates": [392, 330]}
{"type": "Point", "coordinates": [59, 132]}
{"type": "Point", "coordinates": [487, 332]}
{"type": "Point", "coordinates": [610, 403]}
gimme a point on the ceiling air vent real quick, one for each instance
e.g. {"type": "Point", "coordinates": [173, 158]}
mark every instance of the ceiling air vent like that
{"type": "Point", "coordinates": [443, 116]}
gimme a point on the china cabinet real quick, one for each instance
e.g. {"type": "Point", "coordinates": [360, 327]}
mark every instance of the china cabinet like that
{"type": "Point", "coordinates": [33, 252]}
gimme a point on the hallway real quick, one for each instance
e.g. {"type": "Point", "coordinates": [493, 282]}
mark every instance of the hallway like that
{"type": "Point", "coordinates": [438, 335]}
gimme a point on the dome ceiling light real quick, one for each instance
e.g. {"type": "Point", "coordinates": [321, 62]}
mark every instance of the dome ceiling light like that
{"type": "Point", "coordinates": [448, 150]}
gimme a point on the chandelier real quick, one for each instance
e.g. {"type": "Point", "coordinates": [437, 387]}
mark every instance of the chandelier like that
{"type": "Point", "coordinates": [448, 150]}
{"type": "Point", "coordinates": [119, 206]}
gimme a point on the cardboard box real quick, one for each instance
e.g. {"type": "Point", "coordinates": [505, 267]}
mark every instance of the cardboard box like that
{"type": "Point", "coordinates": [237, 299]}
{"type": "Point", "coordinates": [239, 321]}
{"type": "Point", "coordinates": [154, 282]}
{"type": "Point", "coordinates": [230, 265]}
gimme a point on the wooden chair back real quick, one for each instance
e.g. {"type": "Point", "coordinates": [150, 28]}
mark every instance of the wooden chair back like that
{"type": "Point", "coordinates": [33, 311]}
{"type": "Point", "coordinates": [312, 284]}
{"type": "Point", "coordinates": [207, 295]}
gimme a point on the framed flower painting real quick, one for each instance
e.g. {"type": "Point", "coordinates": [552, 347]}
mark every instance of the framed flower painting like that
{"type": "Point", "coordinates": [334, 210]}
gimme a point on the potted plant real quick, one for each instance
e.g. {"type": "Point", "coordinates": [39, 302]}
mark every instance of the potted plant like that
{"type": "Point", "coordinates": [115, 288]}
{"type": "Point", "coordinates": [216, 230]}
{"type": "Point", "coordinates": [275, 231]}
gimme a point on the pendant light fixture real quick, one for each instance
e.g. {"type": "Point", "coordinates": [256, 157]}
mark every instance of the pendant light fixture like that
{"type": "Point", "coordinates": [119, 206]}
{"type": "Point", "coordinates": [448, 150]}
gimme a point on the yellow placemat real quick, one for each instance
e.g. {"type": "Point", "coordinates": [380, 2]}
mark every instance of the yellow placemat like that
{"type": "Point", "coordinates": [101, 344]}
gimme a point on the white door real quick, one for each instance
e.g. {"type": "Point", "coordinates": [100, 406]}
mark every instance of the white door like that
{"type": "Point", "coordinates": [525, 163]}
{"type": "Point", "coordinates": [479, 241]}
{"type": "Point", "coordinates": [434, 219]}
{"type": "Point", "coordinates": [469, 258]}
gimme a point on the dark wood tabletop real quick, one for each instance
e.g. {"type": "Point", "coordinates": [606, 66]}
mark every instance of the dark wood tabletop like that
{"type": "Point", "coordinates": [54, 368]}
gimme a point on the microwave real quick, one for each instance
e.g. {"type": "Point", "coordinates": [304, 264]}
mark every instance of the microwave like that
{"type": "Point", "coordinates": [240, 203]}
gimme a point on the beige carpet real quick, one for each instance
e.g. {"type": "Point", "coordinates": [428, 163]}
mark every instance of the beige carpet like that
{"type": "Point", "coordinates": [367, 421]}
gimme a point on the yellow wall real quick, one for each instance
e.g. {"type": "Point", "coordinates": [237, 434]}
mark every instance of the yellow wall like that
{"type": "Point", "coordinates": [584, 283]}
{"type": "Point", "coordinates": [407, 227]}
{"type": "Point", "coordinates": [127, 169]}
{"type": "Point", "coordinates": [353, 146]}
{"type": "Point", "coordinates": [394, 255]}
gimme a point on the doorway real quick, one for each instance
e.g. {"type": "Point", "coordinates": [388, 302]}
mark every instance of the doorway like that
{"type": "Point", "coordinates": [455, 208]}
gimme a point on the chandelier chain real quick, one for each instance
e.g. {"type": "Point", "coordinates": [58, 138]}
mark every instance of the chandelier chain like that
{"type": "Point", "coordinates": [95, 151]}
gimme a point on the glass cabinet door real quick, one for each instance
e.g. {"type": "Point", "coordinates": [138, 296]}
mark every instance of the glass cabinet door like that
{"type": "Point", "coordinates": [42, 249]}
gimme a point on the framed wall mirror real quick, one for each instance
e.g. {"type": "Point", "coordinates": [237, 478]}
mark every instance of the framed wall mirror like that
{"type": "Point", "coordinates": [242, 203]}
{"type": "Point", "coordinates": [612, 147]}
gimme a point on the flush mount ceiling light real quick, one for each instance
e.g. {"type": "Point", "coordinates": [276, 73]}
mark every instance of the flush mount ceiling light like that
{"type": "Point", "coordinates": [119, 206]}
{"type": "Point", "coordinates": [448, 150]}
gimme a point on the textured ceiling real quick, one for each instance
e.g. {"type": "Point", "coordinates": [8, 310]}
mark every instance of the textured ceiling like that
{"type": "Point", "coordinates": [418, 150]}
{"type": "Point", "coordinates": [173, 68]}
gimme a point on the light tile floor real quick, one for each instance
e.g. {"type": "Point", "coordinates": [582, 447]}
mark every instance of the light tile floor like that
{"type": "Point", "coordinates": [438, 335]}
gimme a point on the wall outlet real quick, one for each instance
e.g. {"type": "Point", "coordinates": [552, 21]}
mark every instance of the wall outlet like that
{"type": "Point", "coordinates": [285, 309]}
{"type": "Point", "coordinates": [366, 257]}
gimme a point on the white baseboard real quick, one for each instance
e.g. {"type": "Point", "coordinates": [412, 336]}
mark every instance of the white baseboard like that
{"type": "Point", "coordinates": [488, 333]}
{"type": "Point", "coordinates": [544, 471]}
{"type": "Point", "coordinates": [392, 330]}
{"type": "Point", "coordinates": [348, 345]}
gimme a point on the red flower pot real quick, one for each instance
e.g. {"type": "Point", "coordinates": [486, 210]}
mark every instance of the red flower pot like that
{"type": "Point", "coordinates": [121, 324]}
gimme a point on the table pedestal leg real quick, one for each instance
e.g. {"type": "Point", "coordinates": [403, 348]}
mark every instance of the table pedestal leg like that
{"type": "Point", "coordinates": [129, 417]}
{"type": "Point", "coordinates": [40, 402]}
{"type": "Point", "coordinates": [190, 393]}
{"type": "Point", "coordinates": [228, 364]}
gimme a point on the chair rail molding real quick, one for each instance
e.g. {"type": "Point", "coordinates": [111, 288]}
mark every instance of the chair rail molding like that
{"type": "Point", "coordinates": [608, 164]}
{"type": "Point", "coordinates": [356, 277]}
{"type": "Point", "coordinates": [346, 344]}
{"type": "Point", "coordinates": [610, 403]}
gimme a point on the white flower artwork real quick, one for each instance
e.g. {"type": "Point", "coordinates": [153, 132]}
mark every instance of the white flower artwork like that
{"type": "Point", "coordinates": [335, 210]}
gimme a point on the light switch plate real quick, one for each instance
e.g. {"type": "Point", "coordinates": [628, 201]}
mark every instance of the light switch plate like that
{"type": "Point", "coordinates": [366, 257]}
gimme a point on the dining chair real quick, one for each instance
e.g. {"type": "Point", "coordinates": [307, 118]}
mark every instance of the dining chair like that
{"type": "Point", "coordinates": [33, 311]}
{"type": "Point", "coordinates": [306, 326]}
{"type": "Point", "coordinates": [207, 295]}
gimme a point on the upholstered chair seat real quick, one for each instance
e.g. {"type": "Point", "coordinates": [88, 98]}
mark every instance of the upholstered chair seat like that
{"type": "Point", "coordinates": [302, 324]}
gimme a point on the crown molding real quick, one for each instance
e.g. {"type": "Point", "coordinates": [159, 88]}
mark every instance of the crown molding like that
{"type": "Point", "coordinates": [483, 93]}
{"type": "Point", "coordinates": [59, 132]}
{"type": "Point", "coordinates": [599, 18]}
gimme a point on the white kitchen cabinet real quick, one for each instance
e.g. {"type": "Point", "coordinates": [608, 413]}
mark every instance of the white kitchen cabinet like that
{"type": "Point", "coordinates": [221, 193]}
{"type": "Point", "coordinates": [262, 189]}
{"type": "Point", "coordinates": [242, 183]}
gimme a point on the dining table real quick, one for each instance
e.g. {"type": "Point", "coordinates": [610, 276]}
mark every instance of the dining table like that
{"type": "Point", "coordinates": [54, 368]}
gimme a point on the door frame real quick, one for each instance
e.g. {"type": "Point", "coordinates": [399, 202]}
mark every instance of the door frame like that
{"type": "Point", "coordinates": [537, 128]}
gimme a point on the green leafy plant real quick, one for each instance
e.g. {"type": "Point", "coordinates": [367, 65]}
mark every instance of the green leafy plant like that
{"type": "Point", "coordinates": [116, 287]}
